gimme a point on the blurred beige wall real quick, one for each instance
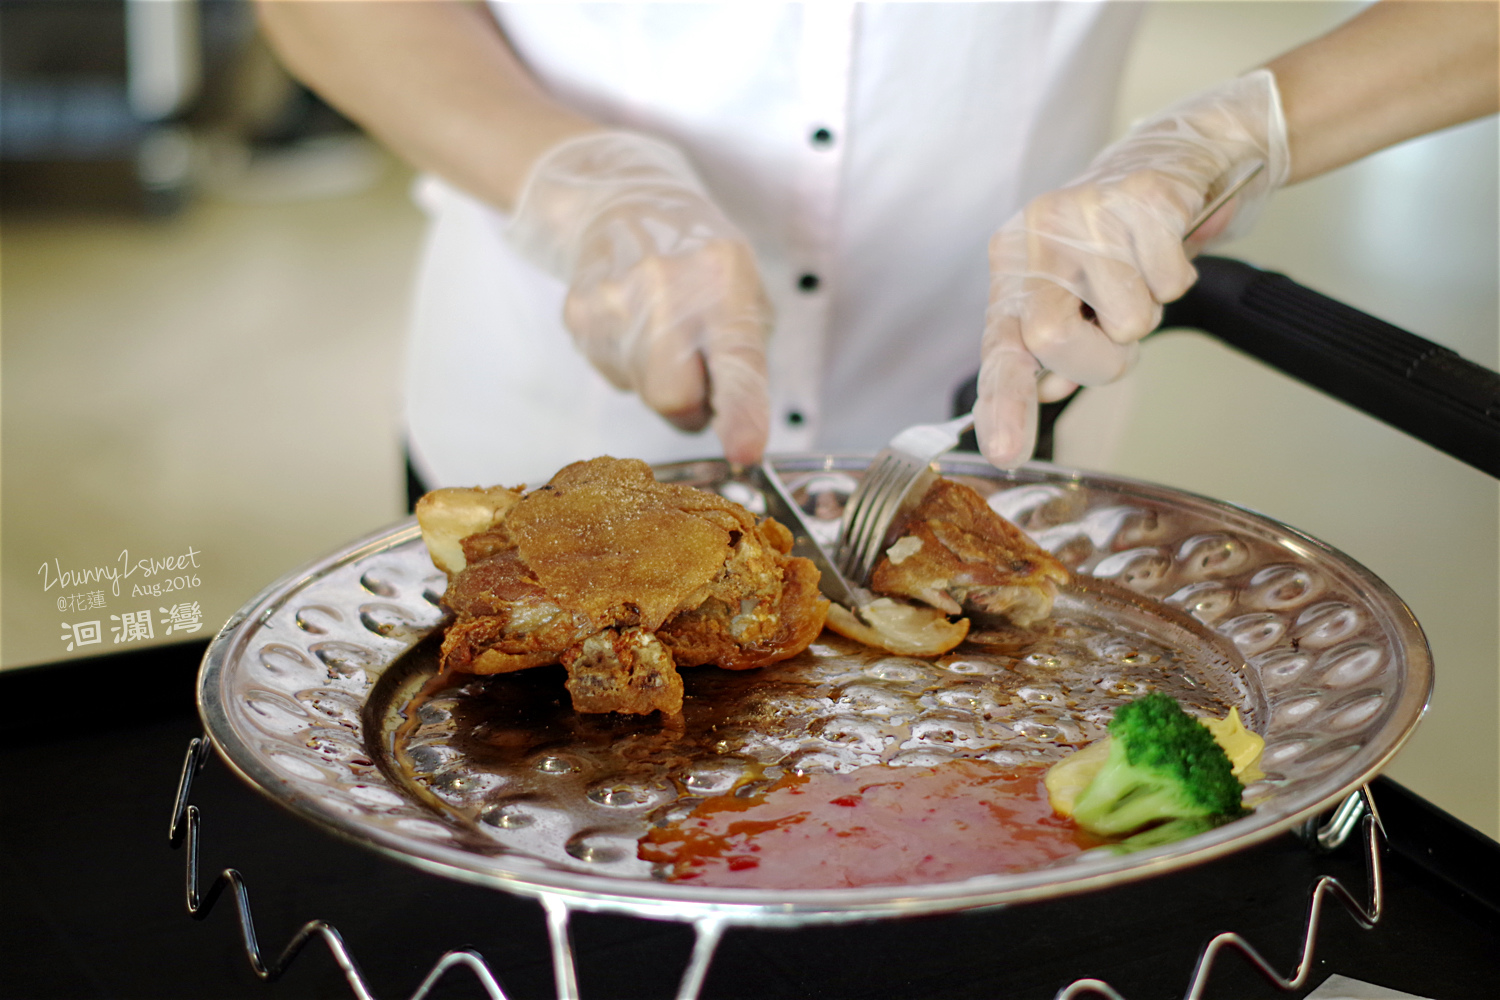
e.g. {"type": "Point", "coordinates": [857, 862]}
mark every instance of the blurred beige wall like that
{"type": "Point", "coordinates": [224, 381]}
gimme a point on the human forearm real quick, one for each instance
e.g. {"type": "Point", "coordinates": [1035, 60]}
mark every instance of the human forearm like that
{"type": "Point", "coordinates": [434, 79]}
{"type": "Point", "coordinates": [1400, 69]}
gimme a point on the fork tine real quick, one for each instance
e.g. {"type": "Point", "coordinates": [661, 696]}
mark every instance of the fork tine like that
{"type": "Point", "coordinates": [863, 507]}
{"type": "Point", "coordinates": [856, 511]}
{"type": "Point", "coordinates": [875, 502]}
{"type": "Point", "coordinates": [869, 490]}
{"type": "Point", "coordinates": [884, 509]}
{"type": "Point", "coordinates": [888, 483]}
{"type": "Point", "coordinates": [884, 488]}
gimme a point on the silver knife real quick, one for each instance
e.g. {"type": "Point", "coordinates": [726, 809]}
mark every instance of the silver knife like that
{"type": "Point", "coordinates": [781, 506]}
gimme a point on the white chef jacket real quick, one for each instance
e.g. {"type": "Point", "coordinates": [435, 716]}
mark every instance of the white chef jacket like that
{"type": "Point", "coordinates": [868, 152]}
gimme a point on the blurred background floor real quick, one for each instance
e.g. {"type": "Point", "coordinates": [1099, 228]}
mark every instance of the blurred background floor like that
{"type": "Point", "coordinates": [225, 379]}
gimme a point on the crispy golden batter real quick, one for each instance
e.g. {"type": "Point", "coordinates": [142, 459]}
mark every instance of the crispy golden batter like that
{"type": "Point", "coordinates": [621, 579]}
{"type": "Point", "coordinates": [628, 671]}
{"type": "Point", "coordinates": [606, 539]}
{"type": "Point", "coordinates": [763, 603]}
{"type": "Point", "coordinates": [955, 553]}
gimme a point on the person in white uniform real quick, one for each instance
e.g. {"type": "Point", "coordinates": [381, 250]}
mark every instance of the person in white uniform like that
{"type": "Point", "coordinates": [781, 220]}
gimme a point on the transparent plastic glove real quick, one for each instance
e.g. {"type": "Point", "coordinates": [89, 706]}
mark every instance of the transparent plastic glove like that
{"type": "Point", "coordinates": [664, 297]}
{"type": "Point", "coordinates": [1080, 274]}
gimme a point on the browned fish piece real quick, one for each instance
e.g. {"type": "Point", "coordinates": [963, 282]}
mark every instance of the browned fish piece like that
{"type": "Point", "coordinates": [626, 671]}
{"type": "Point", "coordinates": [619, 578]}
{"type": "Point", "coordinates": [955, 553]}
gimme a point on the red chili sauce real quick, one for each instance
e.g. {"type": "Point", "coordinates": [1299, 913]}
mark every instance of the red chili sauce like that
{"type": "Point", "coordinates": [872, 826]}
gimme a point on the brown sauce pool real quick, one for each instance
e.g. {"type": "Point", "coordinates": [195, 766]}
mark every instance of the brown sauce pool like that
{"type": "Point", "coordinates": [841, 767]}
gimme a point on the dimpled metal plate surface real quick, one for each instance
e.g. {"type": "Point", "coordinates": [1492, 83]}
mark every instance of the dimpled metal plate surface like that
{"type": "Point", "coordinates": [308, 693]}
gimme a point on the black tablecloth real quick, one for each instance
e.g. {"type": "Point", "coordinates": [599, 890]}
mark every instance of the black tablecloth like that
{"type": "Point", "coordinates": [92, 895]}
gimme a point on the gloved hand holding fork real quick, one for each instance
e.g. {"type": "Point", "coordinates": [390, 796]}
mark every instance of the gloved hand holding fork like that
{"type": "Point", "coordinates": [1113, 239]}
{"type": "Point", "coordinates": [1079, 276]}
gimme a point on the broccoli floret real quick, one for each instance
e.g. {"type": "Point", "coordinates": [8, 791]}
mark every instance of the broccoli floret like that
{"type": "Point", "coordinates": [1163, 766]}
{"type": "Point", "coordinates": [1166, 833]}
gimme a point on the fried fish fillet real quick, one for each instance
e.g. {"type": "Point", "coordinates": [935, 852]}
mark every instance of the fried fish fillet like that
{"type": "Point", "coordinates": [952, 554]}
{"type": "Point", "coordinates": [955, 553]}
{"type": "Point", "coordinates": [621, 579]}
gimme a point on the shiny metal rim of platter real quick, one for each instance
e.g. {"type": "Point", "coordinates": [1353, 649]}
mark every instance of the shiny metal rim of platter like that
{"type": "Point", "coordinates": [1337, 675]}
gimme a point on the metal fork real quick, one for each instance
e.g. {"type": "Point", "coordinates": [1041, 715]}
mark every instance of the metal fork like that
{"type": "Point", "coordinates": [897, 477]}
{"type": "Point", "coordinates": [892, 482]}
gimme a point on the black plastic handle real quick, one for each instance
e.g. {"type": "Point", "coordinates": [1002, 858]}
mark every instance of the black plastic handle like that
{"type": "Point", "coordinates": [1405, 380]}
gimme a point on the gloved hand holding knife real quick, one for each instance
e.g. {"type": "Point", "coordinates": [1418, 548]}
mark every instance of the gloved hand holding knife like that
{"type": "Point", "coordinates": [664, 297]}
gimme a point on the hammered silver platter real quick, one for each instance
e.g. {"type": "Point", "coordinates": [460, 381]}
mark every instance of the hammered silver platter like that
{"type": "Point", "coordinates": [308, 693]}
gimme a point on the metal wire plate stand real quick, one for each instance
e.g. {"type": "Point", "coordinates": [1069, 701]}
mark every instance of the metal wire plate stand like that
{"type": "Point", "coordinates": [1320, 838]}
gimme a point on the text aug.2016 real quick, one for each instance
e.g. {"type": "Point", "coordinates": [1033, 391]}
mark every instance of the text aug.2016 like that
{"type": "Point", "coordinates": [164, 586]}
